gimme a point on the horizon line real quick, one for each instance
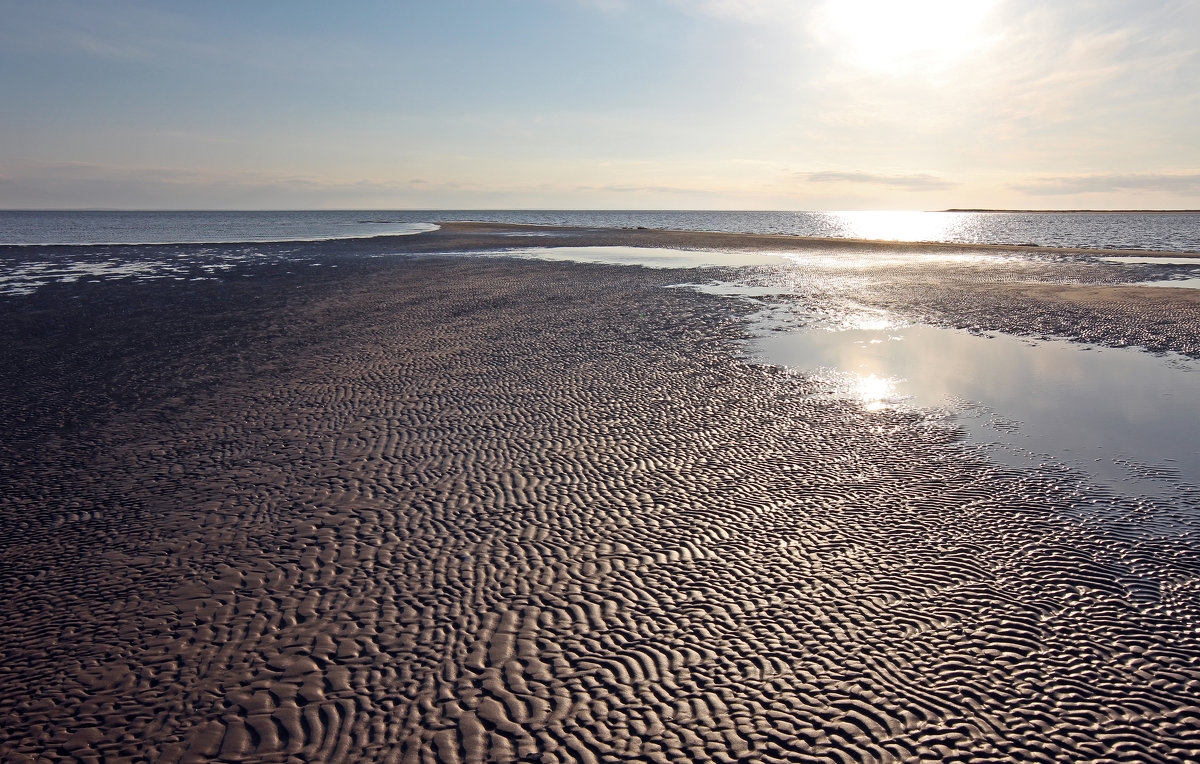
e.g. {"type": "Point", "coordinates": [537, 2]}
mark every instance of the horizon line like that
{"type": "Point", "coordinates": [583, 209]}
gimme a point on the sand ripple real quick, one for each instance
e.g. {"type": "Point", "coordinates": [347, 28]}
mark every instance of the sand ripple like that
{"type": "Point", "coordinates": [486, 511]}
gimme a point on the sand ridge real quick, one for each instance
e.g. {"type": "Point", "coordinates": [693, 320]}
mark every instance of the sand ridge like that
{"type": "Point", "coordinates": [462, 510]}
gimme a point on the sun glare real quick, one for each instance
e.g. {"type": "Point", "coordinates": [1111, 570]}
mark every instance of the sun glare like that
{"type": "Point", "coordinates": [874, 392]}
{"type": "Point", "coordinates": [893, 37]}
{"type": "Point", "coordinates": [894, 225]}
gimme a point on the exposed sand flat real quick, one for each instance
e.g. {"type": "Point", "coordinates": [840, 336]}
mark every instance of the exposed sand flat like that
{"type": "Point", "coordinates": [1016, 289]}
{"type": "Point", "coordinates": [464, 510]}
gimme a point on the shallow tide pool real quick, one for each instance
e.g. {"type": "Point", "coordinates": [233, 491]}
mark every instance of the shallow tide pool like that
{"type": "Point", "coordinates": [649, 257]}
{"type": "Point", "coordinates": [1185, 274]}
{"type": "Point", "coordinates": [1121, 416]}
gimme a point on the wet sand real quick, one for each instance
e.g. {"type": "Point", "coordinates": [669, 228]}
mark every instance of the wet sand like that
{"type": "Point", "coordinates": [451, 509]}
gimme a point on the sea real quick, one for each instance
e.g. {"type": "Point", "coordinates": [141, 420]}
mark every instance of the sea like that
{"type": "Point", "coordinates": [1153, 231]}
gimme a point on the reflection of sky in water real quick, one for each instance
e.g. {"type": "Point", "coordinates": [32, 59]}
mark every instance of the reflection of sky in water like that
{"type": "Point", "coordinates": [1185, 277]}
{"type": "Point", "coordinates": [25, 278]}
{"type": "Point", "coordinates": [848, 261]}
{"type": "Point", "coordinates": [1110, 412]}
{"type": "Point", "coordinates": [651, 257]}
{"type": "Point", "coordinates": [1184, 283]}
{"type": "Point", "coordinates": [1138, 260]}
{"type": "Point", "coordinates": [817, 261]}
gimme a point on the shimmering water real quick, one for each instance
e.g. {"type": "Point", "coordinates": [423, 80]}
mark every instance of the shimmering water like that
{"type": "Point", "coordinates": [1121, 416]}
{"type": "Point", "coordinates": [1184, 271]}
{"type": "Point", "coordinates": [649, 257]}
{"type": "Point", "coordinates": [1150, 231]}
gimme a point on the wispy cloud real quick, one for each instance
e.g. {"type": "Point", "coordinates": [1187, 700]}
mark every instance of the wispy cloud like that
{"type": "Point", "coordinates": [607, 6]}
{"type": "Point", "coordinates": [28, 183]}
{"type": "Point", "coordinates": [1045, 87]}
{"type": "Point", "coordinates": [913, 182]}
{"type": "Point", "coordinates": [100, 47]}
{"type": "Point", "coordinates": [759, 12]}
{"type": "Point", "coordinates": [642, 189]}
{"type": "Point", "coordinates": [1176, 183]}
{"type": "Point", "coordinates": [115, 30]}
{"type": "Point", "coordinates": [91, 184]}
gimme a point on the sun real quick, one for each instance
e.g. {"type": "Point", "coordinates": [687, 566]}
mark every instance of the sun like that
{"type": "Point", "coordinates": [885, 36]}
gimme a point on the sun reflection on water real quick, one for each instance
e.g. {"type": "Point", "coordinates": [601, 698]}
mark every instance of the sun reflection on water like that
{"type": "Point", "coordinates": [869, 320]}
{"type": "Point", "coordinates": [1108, 412]}
{"type": "Point", "coordinates": [874, 392]}
{"type": "Point", "coordinates": [893, 225]}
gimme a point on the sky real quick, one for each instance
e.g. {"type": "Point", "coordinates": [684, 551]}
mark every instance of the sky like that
{"type": "Point", "coordinates": [600, 104]}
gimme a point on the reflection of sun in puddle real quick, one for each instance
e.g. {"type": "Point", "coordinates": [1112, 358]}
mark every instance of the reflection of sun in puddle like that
{"type": "Point", "coordinates": [1028, 403]}
{"type": "Point", "coordinates": [650, 257]}
{"type": "Point", "coordinates": [874, 392]}
{"type": "Point", "coordinates": [876, 321]}
{"type": "Point", "coordinates": [839, 264]}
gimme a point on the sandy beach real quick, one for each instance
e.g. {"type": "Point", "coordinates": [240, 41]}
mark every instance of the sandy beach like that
{"type": "Point", "coordinates": [463, 509]}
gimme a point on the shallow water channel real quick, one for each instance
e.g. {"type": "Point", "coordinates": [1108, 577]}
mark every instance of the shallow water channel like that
{"type": "Point", "coordinates": [649, 257]}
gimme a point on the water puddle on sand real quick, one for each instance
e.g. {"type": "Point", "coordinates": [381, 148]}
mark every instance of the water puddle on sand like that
{"type": "Point", "coordinates": [1192, 282]}
{"type": "Point", "coordinates": [1121, 416]}
{"type": "Point", "coordinates": [650, 257]}
{"type": "Point", "coordinates": [1149, 260]}
{"type": "Point", "coordinates": [1185, 277]}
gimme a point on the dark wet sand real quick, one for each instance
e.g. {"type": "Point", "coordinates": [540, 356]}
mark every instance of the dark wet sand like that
{"type": "Point", "coordinates": [443, 509]}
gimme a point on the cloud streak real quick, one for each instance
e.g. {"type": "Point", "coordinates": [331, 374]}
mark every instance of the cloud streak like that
{"type": "Point", "coordinates": [912, 182]}
{"type": "Point", "coordinates": [33, 184]}
{"type": "Point", "coordinates": [89, 184]}
{"type": "Point", "coordinates": [642, 189]}
{"type": "Point", "coordinates": [1176, 183]}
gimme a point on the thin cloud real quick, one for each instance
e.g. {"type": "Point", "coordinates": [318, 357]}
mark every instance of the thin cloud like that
{"type": "Point", "coordinates": [636, 189]}
{"type": "Point", "coordinates": [105, 48]}
{"type": "Point", "coordinates": [92, 184]}
{"type": "Point", "coordinates": [1186, 183]}
{"type": "Point", "coordinates": [34, 184]}
{"type": "Point", "coordinates": [128, 31]}
{"type": "Point", "coordinates": [606, 6]}
{"type": "Point", "coordinates": [914, 182]}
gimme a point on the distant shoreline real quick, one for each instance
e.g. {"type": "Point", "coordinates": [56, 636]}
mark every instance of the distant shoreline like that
{"type": "Point", "coordinates": [1093, 212]}
{"type": "Point", "coordinates": [572, 209]}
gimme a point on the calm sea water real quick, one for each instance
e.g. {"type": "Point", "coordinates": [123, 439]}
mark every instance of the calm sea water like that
{"type": "Point", "coordinates": [1149, 231]}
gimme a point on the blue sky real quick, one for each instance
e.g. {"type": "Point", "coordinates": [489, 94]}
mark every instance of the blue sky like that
{"type": "Point", "coordinates": [710, 104]}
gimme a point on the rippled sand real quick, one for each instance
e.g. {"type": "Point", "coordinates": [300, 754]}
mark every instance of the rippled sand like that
{"type": "Point", "coordinates": [461, 510]}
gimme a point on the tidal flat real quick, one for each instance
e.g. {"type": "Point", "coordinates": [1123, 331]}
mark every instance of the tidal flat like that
{"type": "Point", "coordinates": [391, 500]}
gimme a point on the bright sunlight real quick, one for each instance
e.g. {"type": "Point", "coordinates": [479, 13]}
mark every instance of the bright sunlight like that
{"type": "Point", "coordinates": [902, 38]}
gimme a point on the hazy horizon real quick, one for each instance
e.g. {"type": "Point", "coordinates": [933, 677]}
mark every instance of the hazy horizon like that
{"type": "Point", "coordinates": [572, 209]}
